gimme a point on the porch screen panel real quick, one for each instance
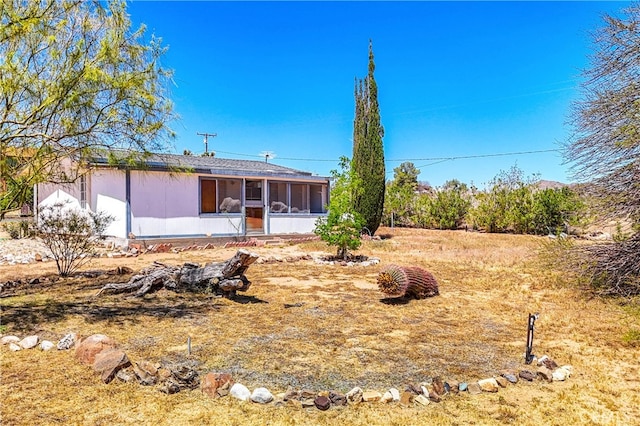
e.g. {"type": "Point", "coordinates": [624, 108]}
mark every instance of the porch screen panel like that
{"type": "Point", "coordinates": [317, 197]}
{"type": "Point", "coordinates": [207, 196]}
{"type": "Point", "coordinates": [278, 202]}
{"type": "Point", "coordinates": [299, 198]}
{"type": "Point", "coordinates": [230, 195]}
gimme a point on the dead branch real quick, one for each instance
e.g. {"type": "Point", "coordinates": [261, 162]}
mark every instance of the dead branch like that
{"type": "Point", "coordinates": [225, 277]}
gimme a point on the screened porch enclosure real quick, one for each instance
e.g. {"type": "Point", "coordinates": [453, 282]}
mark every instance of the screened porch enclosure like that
{"type": "Point", "coordinates": [261, 203]}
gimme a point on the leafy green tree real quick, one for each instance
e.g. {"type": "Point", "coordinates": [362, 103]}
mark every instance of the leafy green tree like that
{"type": "Point", "coordinates": [399, 200]}
{"type": "Point", "coordinates": [368, 151]}
{"type": "Point", "coordinates": [406, 175]}
{"type": "Point", "coordinates": [342, 225]}
{"type": "Point", "coordinates": [449, 205]}
{"type": "Point", "coordinates": [554, 209]}
{"type": "Point", "coordinates": [506, 205]}
{"type": "Point", "coordinates": [75, 79]}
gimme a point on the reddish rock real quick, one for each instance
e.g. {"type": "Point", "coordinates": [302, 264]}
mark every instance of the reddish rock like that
{"type": "Point", "coordinates": [526, 375]}
{"type": "Point", "coordinates": [438, 386]}
{"type": "Point", "coordinates": [216, 384]}
{"type": "Point", "coordinates": [502, 381]}
{"type": "Point", "coordinates": [322, 403]}
{"type": "Point", "coordinates": [146, 372]}
{"type": "Point", "coordinates": [88, 348]}
{"type": "Point", "coordinates": [545, 374]}
{"type": "Point", "coordinates": [433, 396]}
{"type": "Point", "coordinates": [406, 398]}
{"type": "Point", "coordinates": [108, 362]}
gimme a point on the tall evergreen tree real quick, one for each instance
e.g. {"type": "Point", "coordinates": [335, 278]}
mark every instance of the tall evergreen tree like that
{"type": "Point", "coordinates": [368, 152]}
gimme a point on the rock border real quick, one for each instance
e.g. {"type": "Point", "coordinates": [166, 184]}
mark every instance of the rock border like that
{"type": "Point", "coordinates": [103, 354]}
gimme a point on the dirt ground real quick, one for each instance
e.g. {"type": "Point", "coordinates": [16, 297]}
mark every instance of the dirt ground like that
{"type": "Point", "coordinates": [305, 325]}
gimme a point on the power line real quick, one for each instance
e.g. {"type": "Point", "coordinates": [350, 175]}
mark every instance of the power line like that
{"type": "Point", "coordinates": [435, 160]}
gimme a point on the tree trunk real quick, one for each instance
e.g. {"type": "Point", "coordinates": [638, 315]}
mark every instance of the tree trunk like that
{"type": "Point", "coordinates": [224, 277]}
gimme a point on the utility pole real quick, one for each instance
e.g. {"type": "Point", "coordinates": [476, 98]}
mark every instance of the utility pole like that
{"type": "Point", "coordinates": [206, 140]}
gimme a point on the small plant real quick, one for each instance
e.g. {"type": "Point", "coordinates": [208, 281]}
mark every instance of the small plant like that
{"type": "Point", "coordinates": [17, 230]}
{"type": "Point", "coordinates": [71, 234]}
{"type": "Point", "coordinates": [631, 337]}
{"type": "Point", "coordinates": [411, 281]}
{"type": "Point", "coordinates": [342, 226]}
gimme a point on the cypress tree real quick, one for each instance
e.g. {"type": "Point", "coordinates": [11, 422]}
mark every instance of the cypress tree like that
{"type": "Point", "coordinates": [368, 152]}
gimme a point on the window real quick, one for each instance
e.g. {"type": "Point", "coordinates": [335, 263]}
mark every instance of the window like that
{"type": "Point", "coordinates": [230, 194]}
{"type": "Point", "coordinates": [299, 198]}
{"type": "Point", "coordinates": [318, 198]}
{"type": "Point", "coordinates": [207, 196]}
{"type": "Point", "coordinates": [220, 196]}
{"type": "Point", "coordinates": [253, 190]}
{"type": "Point", "coordinates": [83, 191]}
{"type": "Point", "coordinates": [288, 197]}
{"type": "Point", "coordinates": [278, 201]}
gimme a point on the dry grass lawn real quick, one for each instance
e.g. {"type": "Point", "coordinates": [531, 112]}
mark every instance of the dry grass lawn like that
{"type": "Point", "coordinates": [340, 334]}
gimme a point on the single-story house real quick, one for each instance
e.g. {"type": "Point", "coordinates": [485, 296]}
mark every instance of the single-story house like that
{"type": "Point", "coordinates": [175, 196]}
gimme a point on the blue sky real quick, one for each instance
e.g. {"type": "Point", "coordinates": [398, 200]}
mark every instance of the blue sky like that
{"type": "Point", "coordinates": [455, 79]}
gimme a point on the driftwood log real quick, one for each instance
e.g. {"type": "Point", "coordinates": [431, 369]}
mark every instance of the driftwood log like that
{"type": "Point", "coordinates": [222, 277]}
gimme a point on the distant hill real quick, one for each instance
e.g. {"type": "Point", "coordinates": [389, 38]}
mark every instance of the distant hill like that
{"type": "Point", "coordinates": [549, 184]}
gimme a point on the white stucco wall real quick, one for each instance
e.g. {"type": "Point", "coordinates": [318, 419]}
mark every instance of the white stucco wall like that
{"type": "Point", "coordinates": [286, 224]}
{"type": "Point", "coordinates": [162, 205]}
{"type": "Point", "coordinates": [48, 194]}
{"type": "Point", "coordinates": [107, 193]}
{"type": "Point", "coordinates": [168, 205]}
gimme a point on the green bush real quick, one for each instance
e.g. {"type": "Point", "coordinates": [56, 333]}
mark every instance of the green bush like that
{"type": "Point", "coordinates": [342, 225]}
{"type": "Point", "coordinates": [449, 205]}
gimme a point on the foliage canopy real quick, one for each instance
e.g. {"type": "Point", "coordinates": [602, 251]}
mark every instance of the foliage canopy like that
{"type": "Point", "coordinates": [368, 151]}
{"type": "Point", "coordinates": [342, 225]}
{"type": "Point", "coordinates": [75, 79]}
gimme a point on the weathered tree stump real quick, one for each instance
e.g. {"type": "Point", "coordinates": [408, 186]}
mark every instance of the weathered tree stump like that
{"type": "Point", "coordinates": [224, 277]}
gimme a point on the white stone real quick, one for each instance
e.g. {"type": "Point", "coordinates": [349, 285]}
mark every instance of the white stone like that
{"type": "Point", "coordinates": [67, 341]}
{"type": "Point", "coordinates": [14, 347]}
{"type": "Point", "coordinates": [395, 393]}
{"type": "Point", "coordinates": [542, 359]}
{"type": "Point", "coordinates": [29, 342]}
{"type": "Point", "coordinates": [559, 375]}
{"type": "Point", "coordinates": [489, 385]}
{"type": "Point", "coordinates": [568, 368]}
{"type": "Point", "coordinates": [354, 395]}
{"type": "Point", "coordinates": [421, 399]}
{"type": "Point", "coordinates": [240, 392]}
{"type": "Point", "coordinates": [261, 396]}
{"type": "Point", "coordinates": [9, 339]}
{"type": "Point", "coordinates": [387, 397]}
{"type": "Point", "coordinates": [46, 345]}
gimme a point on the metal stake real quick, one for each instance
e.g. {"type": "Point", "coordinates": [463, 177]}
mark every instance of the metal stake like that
{"type": "Point", "coordinates": [528, 356]}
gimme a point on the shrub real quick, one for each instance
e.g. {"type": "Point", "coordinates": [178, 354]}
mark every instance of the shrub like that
{"type": "Point", "coordinates": [342, 225]}
{"type": "Point", "coordinates": [18, 229]}
{"type": "Point", "coordinates": [71, 234]}
{"type": "Point", "coordinates": [449, 205]}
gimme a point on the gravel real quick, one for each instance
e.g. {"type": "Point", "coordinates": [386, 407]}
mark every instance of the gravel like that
{"type": "Point", "coordinates": [13, 252]}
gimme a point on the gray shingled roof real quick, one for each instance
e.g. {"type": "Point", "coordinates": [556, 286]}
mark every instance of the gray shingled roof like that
{"type": "Point", "coordinates": [215, 165]}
